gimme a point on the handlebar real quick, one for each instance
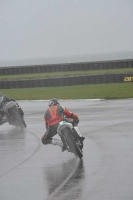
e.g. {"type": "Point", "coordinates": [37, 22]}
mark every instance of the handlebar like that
{"type": "Point", "coordinates": [75, 122]}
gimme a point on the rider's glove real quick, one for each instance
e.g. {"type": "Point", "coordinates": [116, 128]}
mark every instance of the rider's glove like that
{"type": "Point", "coordinates": [75, 121]}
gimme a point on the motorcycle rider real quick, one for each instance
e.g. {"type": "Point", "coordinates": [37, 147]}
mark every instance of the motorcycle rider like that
{"type": "Point", "coordinates": [3, 100]}
{"type": "Point", "coordinates": [52, 116]}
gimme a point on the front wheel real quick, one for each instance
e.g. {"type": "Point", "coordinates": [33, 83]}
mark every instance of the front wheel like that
{"type": "Point", "coordinates": [19, 120]}
{"type": "Point", "coordinates": [70, 142]}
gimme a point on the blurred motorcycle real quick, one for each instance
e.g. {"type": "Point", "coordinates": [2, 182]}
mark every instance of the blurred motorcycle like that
{"type": "Point", "coordinates": [14, 114]}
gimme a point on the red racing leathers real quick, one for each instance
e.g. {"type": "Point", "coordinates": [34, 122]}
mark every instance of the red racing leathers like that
{"type": "Point", "coordinates": [52, 117]}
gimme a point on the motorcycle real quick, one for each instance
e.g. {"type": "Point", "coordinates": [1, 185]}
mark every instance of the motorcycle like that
{"type": "Point", "coordinates": [71, 140]}
{"type": "Point", "coordinates": [14, 114]}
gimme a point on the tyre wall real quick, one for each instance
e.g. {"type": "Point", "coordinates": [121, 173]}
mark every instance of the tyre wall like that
{"type": "Point", "coordinates": [66, 67]}
{"type": "Point", "coordinates": [67, 81]}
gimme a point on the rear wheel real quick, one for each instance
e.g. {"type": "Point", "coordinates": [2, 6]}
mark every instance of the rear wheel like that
{"type": "Point", "coordinates": [69, 140]}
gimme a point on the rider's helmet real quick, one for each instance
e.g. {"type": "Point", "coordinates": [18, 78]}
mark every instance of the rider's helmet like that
{"type": "Point", "coordinates": [53, 102]}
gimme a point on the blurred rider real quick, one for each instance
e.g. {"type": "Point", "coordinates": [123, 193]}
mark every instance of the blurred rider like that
{"type": "Point", "coordinates": [3, 100]}
{"type": "Point", "coordinates": [53, 115]}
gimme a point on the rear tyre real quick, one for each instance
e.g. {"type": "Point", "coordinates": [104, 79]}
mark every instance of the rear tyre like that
{"type": "Point", "coordinates": [69, 140]}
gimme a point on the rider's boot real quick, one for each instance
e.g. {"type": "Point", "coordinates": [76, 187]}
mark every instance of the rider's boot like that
{"type": "Point", "coordinates": [59, 143]}
{"type": "Point", "coordinates": [79, 133]}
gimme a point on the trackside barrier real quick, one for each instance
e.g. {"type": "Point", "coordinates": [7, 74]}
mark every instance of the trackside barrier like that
{"type": "Point", "coordinates": [67, 81]}
{"type": "Point", "coordinates": [67, 67]}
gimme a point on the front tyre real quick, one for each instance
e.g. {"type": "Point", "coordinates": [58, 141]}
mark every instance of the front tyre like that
{"type": "Point", "coordinates": [70, 142]}
{"type": "Point", "coordinates": [19, 120]}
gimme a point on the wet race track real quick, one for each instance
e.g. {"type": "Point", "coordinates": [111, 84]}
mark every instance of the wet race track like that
{"type": "Point", "coordinates": [31, 171]}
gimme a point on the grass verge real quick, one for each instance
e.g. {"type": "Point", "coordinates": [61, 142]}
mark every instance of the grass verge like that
{"type": "Point", "coordinates": [91, 91]}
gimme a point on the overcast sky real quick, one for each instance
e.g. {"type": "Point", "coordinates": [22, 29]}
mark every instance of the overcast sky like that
{"type": "Point", "coordinates": [32, 29]}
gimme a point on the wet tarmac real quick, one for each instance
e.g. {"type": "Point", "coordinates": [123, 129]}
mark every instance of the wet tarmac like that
{"type": "Point", "coordinates": [31, 171]}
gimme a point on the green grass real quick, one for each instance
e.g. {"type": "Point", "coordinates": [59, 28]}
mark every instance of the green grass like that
{"type": "Point", "coordinates": [91, 91]}
{"type": "Point", "coordinates": [65, 74]}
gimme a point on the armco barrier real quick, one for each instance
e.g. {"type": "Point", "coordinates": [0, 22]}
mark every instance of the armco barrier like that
{"type": "Point", "coordinates": [67, 81]}
{"type": "Point", "coordinates": [67, 67]}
